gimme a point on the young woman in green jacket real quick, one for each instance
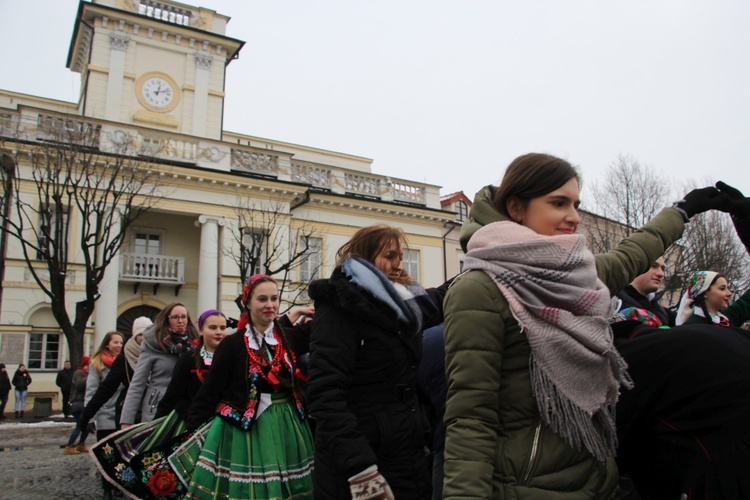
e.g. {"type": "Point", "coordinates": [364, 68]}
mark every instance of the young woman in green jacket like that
{"type": "Point", "coordinates": [532, 372]}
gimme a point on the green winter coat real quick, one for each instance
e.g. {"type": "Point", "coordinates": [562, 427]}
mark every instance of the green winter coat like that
{"type": "Point", "coordinates": [497, 445]}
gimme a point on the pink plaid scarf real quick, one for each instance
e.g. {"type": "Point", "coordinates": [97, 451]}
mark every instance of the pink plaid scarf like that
{"type": "Point", "coordinates": [554, 293]}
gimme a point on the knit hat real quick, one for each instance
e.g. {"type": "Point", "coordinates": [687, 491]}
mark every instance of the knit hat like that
{"type": "Point", "coordinates": [84, 363]}
{"type": "Point", "coordinates": [140, 324]}
{"type": "Point", "coordinates": [2, 365]}
{"type": "Point", "coordinates": [698, 284]}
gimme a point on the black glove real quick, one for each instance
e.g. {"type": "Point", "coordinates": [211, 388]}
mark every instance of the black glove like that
{"type": "Point", "coordinates": [740, 204]}
{"type": "Point", "coordinates": [740, 213]}
{"type": "Point", "coordinates": [702, 200]}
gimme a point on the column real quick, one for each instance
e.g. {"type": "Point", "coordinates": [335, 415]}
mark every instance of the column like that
{"type": "Point", "coordinates": [208, 264]}
{"type": "Point", "coordinates": [105, 312]}
{"type": "Point", "coordinates": [118, 48]}
{"type": "Point", "coordinates": [203, 63]}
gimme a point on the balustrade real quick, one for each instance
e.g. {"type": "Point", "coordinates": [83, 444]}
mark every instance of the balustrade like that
{"type": "Point", "coordinates": [146, 268]}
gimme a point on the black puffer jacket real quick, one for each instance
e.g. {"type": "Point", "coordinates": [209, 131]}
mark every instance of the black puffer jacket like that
{"type": "Point", "coordinates": [362, 391]}
{"type": "Point", "coordinates": [683, 427]}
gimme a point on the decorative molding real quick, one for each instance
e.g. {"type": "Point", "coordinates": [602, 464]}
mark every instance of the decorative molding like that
{"type": "Point", "coordinates": [203, 61]}
{"type": "Point", "coordinates": [212, 154]}
{"type": "Point", "coordinates": [119, 41]}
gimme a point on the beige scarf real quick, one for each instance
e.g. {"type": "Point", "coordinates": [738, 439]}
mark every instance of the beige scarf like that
{"type": "Point", "coordinates": [554, 293]}
{"type": "Point", "coordinates": [132, 350]}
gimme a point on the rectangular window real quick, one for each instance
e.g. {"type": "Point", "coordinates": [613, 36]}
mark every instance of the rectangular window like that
{"type": "Point", "coordinates": [52, 233]}
{"type": "Point", "coordinates": [44, 351]}
{"type": "Point", "coordinates": [411, 263]}
{"type": "Point", "coordinates": [146, 242]}
{"type": "Point", "coordinates": [309, 269]}
{"type": "Point", "coordinates": [462, 210]}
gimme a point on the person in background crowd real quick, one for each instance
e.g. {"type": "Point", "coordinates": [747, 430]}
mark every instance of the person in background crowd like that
{"type": "Point", "coordinates": [77, 393]}
{"type": "Point", "coordinates": [21, 383]}
{"type": "Point", "coordinates": [533, 375]}
{"type": "Point", "coordinates": [63, 381]}
{"type": "Point", "coordinates": [642, 293]}
{"type": "Point", "coordinates": [432, 383]}
{"type": "Point", "coordinates": [258, 444]}
{"type": "Point", "coordinates": [366, 345]}
{"type": "Point", "coordinates": [4, 390]}
{"type": "Point", "coordinates": [121, 372]}
{"type": "Point", "coordinates": [172, 334]}
{"type": "Point", "coordinates": [101, 362]}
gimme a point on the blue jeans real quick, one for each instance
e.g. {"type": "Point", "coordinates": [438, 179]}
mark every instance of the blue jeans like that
{"type": "Point", "coordinates": [21, 400]}
{"type": "Point", "coordinates": [84, 433]}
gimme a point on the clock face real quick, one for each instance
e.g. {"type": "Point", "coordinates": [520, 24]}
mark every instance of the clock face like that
{"type": "Point", "coordinates": [157, 92]}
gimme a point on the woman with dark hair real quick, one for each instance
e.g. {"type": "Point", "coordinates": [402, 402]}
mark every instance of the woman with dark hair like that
{"type": "Point", "coordinates": [249, 410]}
{"type": "Point", "coordinates": [172, 334]}
{"type": "Point", "coordinates": [366, 344]}
{"type": "Point", "coordinates": [21, 383]}
{"type": "Point", "coordinates": [706, 301]}
{"type": "Point", "coordinates": [77, 393]}
{"type": "Point", "coordinates": [532, 371]}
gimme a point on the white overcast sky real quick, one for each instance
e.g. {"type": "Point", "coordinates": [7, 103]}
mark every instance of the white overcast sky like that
{"type": "Point", "coordinates": [449, 92]}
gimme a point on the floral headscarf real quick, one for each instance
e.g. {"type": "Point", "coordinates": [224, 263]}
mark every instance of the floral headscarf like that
{"type": "Point", "coordinates": [699, 283]}
{"type": "Point", "coordinates": [642, 316]}
{"type": "Point", "coordinates": [247, 291]}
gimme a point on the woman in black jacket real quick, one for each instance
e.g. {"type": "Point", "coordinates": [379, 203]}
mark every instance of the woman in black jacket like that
{"type": "Point", "coordinates": [364, 352]}
{"type": "Point", "coordinates": [21, 383]}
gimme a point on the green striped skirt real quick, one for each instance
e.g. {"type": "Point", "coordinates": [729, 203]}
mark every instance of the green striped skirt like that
{"type": "Point", "coordinates": [274, 460]}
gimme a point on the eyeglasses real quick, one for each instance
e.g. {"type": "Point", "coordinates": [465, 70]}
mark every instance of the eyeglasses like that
{"type": "Point", "coordinates": [178, 318]}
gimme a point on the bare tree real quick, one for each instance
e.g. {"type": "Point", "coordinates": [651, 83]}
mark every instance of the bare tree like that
{"type": "Point", "coordinates": [630, 195]}
{"type": "Point", "coordinates": [66, 179]}
{"type": "Point", "coordinates": [265, 243]}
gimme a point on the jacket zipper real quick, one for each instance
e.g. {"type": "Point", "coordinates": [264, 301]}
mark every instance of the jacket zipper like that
{"type": "Point", "coordinates": [534, 450]}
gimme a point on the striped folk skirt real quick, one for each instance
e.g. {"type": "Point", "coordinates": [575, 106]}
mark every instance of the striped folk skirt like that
{"type": "Point", "coordinates": [273, 460]}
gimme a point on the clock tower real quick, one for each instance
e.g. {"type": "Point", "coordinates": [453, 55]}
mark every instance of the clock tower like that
{"type": "Point", "coordinates": [157, 64]}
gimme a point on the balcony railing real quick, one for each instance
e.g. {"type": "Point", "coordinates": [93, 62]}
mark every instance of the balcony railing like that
{"type": "Point", "coordinates": [145, 268]}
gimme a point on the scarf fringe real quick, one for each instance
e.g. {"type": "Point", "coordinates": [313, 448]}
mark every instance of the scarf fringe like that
{"type": "Point", "coordinates": [573, 424]}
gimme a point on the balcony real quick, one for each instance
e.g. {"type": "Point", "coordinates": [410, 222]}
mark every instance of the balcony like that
{"type": "Point", "coordinates": [152, 269]}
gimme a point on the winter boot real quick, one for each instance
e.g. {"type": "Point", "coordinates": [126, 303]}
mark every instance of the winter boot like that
{"type": "Point", "coordinates": [70, 450]}
{"type": "Point", "coordinates": [21, 413]}
{"type": "Point", "coordinates": [82, 448]}
{"type": "Point", "coordinates": [16, 414]}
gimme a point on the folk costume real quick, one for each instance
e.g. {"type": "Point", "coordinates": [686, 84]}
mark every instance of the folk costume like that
{"type": "Point", "coordinates": [250, 416]}
{"type": "Point", "coordinates": [365, 349]}
{"type": "Point", "coordinates": [532, 371]}
{"type": "Point", "coordinates": [691, 313]}
{"type": "Point", "coordinates": [136, 459]}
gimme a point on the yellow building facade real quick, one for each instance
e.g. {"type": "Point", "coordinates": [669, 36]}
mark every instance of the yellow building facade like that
{"type": "Point", "coordinates": [152, 75]}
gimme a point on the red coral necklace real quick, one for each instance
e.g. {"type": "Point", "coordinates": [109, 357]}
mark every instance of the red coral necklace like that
{"type": "Point", "coordinates": [260, 358]}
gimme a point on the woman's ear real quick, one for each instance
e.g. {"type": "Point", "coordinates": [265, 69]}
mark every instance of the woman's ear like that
{"type": "Point", "coordinates": [514, 208]}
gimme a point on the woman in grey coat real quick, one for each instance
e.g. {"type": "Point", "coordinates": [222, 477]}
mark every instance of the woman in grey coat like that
{"type": "Point", "coordinates": [172, 333]}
